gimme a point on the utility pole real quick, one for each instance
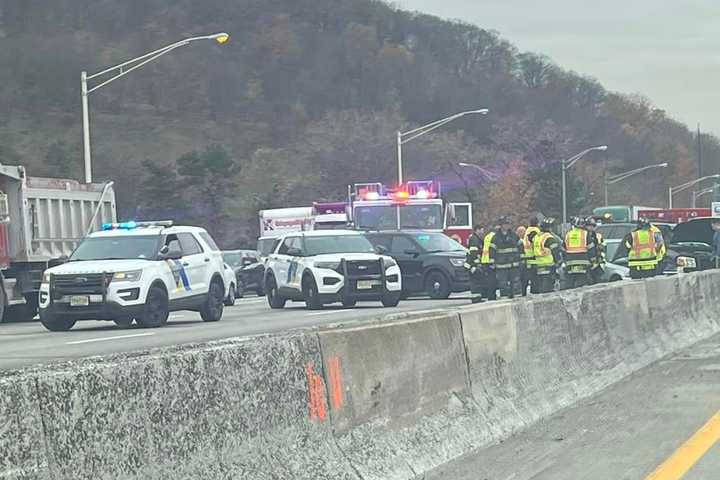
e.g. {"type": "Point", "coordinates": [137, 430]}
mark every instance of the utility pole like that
{"type": "Point", "coordinates": [699, 149]}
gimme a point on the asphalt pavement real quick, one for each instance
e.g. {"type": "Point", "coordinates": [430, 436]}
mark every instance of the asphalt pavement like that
{"type": "Point", "coordinates": [659, 424]}
{"type": "Point", "coordinates": [25, 344]}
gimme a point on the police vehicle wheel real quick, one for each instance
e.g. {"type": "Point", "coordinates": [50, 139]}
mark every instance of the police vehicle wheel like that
{"type": "Point", "coordinates": [240, 289]}
{"type": "Point", "coordinates": [230, 299]}
{"type": "Point", "coordinates": [212, 309]}
{"type": "Point", "coordinates": [391, 299]}
{"type": "Point", "coordinates": [349, 302]}
{"type": "Point", "coordinates": [437, 285]}
{"type": "Point", "coordinates": [56, 324]}
{"type": "Point", "coordinates": [156, 311]}
{"type": "Point", "coordinates": [310, 294]}
{"type": "Point", "coordinates": [273, 296]}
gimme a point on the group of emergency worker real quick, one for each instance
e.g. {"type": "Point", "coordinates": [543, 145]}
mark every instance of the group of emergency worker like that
{"type": "Point", "coordinates": [513, 261]}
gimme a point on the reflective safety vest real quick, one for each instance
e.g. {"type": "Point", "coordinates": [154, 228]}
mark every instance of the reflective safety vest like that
{"type": "Point", "coordinates": [662, 251]}
{"type": "Point", "coordinates": [543, 254]}
{"type": "Point", "coordinates": [576, 249]}
{"type": "Point", "coordinates": [528, 248]}
{"type": "Point", "coordinates": [643, 253]}
{"type": "Point", "coordinates": [488, 245]}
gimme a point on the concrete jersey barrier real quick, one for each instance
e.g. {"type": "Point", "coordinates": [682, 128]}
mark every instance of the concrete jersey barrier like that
{"type": "Point", "coordinates": [379, 400]}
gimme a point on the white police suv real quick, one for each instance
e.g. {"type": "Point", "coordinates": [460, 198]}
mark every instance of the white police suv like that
{"type": "Point", "coordinates": [135, 271]}
{"type": "Point", "coordinates": [327, 266]}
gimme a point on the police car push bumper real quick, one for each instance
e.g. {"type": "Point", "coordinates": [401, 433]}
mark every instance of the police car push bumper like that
{"type": "Point", "coordinates": [353, 280]}
{"type": "Point", "coordinates": [96, 296]}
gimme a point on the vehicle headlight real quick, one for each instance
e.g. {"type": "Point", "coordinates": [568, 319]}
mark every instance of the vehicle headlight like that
{"type": "Point", "coordinates": [46, 277]}
{"type": "Point", "coordinates": [389, 262]}
{"type": "Point", "coordinates": [686, 262]}
{"type": "Point", "coordinates": [328, 265]}
{"type": "Point", "coordinates": [129, 276]}
{"type": "Point", "coordinates": [457, 262]}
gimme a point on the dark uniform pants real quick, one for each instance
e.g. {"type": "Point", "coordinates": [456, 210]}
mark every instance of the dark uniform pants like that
{"type": "Point", "coordinates": [596, 274]}
{"type": "Point", "coordinates": [476, 282]}
{"type": "Point", "coordinates": [489, 282]}
{"type": "Point", "coordinates": [524, 277]}
{"type": "Point", "coordinates": [576, 280]}
{"type": "Point", "coordinates": [508, 278]}
{"type": "Point", "coordinates": [546, 279]}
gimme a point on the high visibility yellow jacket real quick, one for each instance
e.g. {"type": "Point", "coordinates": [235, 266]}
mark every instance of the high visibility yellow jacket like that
{"type": "Point", "coordinates": [528, 248]}
{"type": "Point", "coordinates": [642, 249]}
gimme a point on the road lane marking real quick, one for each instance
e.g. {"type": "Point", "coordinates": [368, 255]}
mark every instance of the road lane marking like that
{"type": "Point", "coordinates": [107, 339]}
{"type": "Point", "coordinates": [685, 457]}
{"type": "Point", "coordinates": [330, 312]}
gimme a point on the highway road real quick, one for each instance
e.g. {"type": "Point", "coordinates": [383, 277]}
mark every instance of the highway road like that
{"type": "Point", "coordinates": [658, 424]}
{"type": "Point", "coordinates": [25, 344]}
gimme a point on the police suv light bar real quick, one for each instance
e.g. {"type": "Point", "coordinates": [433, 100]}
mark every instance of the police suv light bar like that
{"type": "Point", "coordinates": [133, 224]}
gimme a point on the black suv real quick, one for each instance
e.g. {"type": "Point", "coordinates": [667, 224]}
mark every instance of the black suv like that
{"type": "Point", "coordinates": [249, 270]}
{"type": "Point", "coordinates": [431, 263]}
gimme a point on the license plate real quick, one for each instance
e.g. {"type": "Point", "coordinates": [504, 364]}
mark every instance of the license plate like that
{"type": "Point", "coordinates": [577, 269]}
{"type": "Point", "coordinates": [79, 301]}
{"type": "Point", "coordinates": [366, 284]}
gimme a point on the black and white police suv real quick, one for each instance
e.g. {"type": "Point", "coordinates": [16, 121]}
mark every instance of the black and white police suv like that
{"type": "Point", "coordinates": [135, 271]}
{"type": "Point", "coordinates": [327, 266]}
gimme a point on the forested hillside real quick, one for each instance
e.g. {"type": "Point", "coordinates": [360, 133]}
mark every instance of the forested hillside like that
{"type": "Point", "coordinates": [306, 98]}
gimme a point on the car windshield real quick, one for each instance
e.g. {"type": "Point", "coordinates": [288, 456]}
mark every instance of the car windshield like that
{"type": "Point", "coordinates": [337, 244]}
{"type": "Point", "coordinates": [437, 242]}
{"type": "Point", "coordinates": [117, 248]}
{"type": "Point", "coordinates": [384, 217]}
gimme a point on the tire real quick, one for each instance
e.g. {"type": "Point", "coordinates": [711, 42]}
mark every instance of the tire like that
{"type": "Point", "coordinates": [615, 278]}
{"type": "Point", "coordinates": [310, 294]}
{"type": "Point", "coordinates": [156, 310]}
{"type": "Point", "coordinates": [56, 324]}
{"type": "Point", "coordinates": [212, 309]}
{"type": "Point", "coordinates": [437, 285]}
{"type": "Point", "coordinates": [240, 289]}
{"type": "Point", "coordinates": [125, 322]}
{"type": "Point", "coordinates": [349, 302]}
{"type": "Point", "coordinates": [275, 301]}
{"type": "Point", "coordinates": [230, 299]}
{"type": "Point", "coordinates": [390, 299]}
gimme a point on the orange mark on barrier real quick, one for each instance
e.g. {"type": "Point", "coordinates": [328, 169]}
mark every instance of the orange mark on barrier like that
{"type": "Point", "coordinates": [316, 393]}
{"type": "Point", "coordinates": [335, 380]}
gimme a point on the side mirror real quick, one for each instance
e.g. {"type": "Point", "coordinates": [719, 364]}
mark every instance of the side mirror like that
{"type": "Point", "coordinates": [167, 254]}
{"type": "Point", "coordinates": [381, 250]}
{"type": "Point", "coordinates": [294, 252]}
{"type": "Point", "coordinates": [247, 261]}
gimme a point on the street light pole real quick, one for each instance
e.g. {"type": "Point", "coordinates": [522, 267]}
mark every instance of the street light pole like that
{"type": "Point", "coordinates": [679, 188]}
{"type": "Point", "coordinates": [420, 131]}
{"type": "Point", "coordinates": [86, 127]}
{"type": "Point", "coordinates": [132, 64]}
{"type": "Point", "coordinates": [566, 164]}
{"type": "Point", "coordinates": [625, 175]}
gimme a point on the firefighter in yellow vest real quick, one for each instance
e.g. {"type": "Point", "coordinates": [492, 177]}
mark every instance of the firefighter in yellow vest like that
{"type": "Point", "coordinates": [528, 270]}
{"type": "Point", "coordinates": [489, 253]}
{"type": "Point", "coordinates": [643, 250]}
{"type": "Point", "coordinates": [473, 264]}
{"type": "Point", "coordinates": [548, 255]}
{"type": "Point", "coordinates": [598, 260]}
{"type": "Point", "coordinates": [579, 250]}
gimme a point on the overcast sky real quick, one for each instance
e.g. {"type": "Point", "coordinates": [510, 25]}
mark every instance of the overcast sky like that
{"type": "Point", "coordinates": [666, 50]}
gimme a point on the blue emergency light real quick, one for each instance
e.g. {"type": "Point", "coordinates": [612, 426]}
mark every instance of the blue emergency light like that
{"type": "Point", "coordinates": [119, 226]}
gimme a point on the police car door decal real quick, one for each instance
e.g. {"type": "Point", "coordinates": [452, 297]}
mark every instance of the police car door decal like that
{"type": "Point", "coordinates": [179, 275]}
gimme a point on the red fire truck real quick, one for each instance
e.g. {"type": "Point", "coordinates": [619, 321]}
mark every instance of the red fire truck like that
{"type": "Point", "coordinates": [675, 215]}
{"type": "Point", "coordinates": [413, 205]}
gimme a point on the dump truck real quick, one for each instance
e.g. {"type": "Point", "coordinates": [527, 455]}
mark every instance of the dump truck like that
{"type": "Point", "coordinates": [42, 220]}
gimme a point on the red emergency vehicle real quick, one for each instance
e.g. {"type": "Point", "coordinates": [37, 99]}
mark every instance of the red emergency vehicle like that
{"type": "Point", "coordinates": [413, 205]}
{"type": "Point", "coordinates": [674, 215]}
